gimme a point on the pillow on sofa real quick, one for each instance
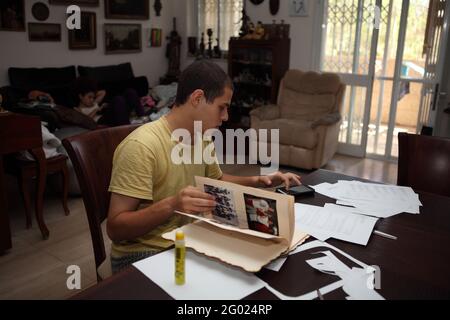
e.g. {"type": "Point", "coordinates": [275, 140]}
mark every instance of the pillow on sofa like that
{"type": "Point", "coordinates": [38, 78]}
{"type": "Point", "coordinates": [57, 82]}
{"type": "Point", "coordinates": [121, 72]}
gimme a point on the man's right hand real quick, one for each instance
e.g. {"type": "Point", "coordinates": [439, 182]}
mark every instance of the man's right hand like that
{"type": "Point", "coordinates": [191, 200]}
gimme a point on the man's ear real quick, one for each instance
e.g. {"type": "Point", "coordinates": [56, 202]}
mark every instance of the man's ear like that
{"type": "Point", "coordinates": [196, 97]}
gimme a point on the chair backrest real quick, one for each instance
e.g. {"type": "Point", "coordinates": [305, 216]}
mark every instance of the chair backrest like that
{"type": "Point", "coordinates": [424, 163]}
{"type": "Point", "coordinates": [91, 154]}
{"type": "Point", "coordinates": [310, 95]}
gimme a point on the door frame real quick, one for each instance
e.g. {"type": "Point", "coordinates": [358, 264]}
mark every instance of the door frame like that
{"type": "Point", "coordinates": [357, 80]}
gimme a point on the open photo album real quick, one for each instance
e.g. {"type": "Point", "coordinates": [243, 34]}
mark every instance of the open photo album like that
{"type": "Point", "coordinates": [249, 227]}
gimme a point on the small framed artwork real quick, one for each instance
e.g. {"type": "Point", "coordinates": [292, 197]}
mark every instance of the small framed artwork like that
{"type": "Point", "coordinates": [127, 9]}
{"type": "Point", "coordinates": [86, 37]}
{"type": "Point", "coordinates": [44, 32]}
{"type": "Point", "coordinates": [87, 3]}
{"type": "Point", "coordinates": [298, 8]}
{"type": "Point", "coordinates": [123, 38]}
{"type": "Point", "coordinates": [12, 15]}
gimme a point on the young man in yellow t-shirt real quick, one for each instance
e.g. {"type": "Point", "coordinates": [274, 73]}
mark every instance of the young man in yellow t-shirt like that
{"type": "Point", "coordinates": [147, 187]}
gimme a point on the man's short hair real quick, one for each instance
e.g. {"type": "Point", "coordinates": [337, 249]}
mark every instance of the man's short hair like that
{"type": "Point", "coordinates": [202, 75]}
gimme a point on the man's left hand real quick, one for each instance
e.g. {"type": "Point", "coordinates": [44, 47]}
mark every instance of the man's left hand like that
{"type": "Point", "coordinates": [277, 178]}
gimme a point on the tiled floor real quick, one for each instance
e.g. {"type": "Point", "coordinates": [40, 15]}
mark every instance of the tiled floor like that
{"type": "Point", "coordinates": [36, 269]}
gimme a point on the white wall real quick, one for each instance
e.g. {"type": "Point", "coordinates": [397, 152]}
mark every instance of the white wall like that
{"type": "Point", "coordinates": [17, 51]}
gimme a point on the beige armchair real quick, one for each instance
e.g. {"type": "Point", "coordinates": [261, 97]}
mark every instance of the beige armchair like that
{"type": "Point", "coordinates": [308, 115]}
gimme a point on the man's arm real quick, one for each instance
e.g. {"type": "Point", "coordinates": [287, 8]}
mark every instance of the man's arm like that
{"type": "Point", "coordinates": [125, 222]}
{"type": "Point", "coordinates": [273, 180]}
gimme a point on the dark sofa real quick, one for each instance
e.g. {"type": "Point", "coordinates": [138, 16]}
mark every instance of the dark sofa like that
{"type": "Point", "coordinates": [58, 82]}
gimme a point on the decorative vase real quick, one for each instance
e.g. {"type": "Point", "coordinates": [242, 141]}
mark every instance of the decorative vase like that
{"type": "Point", "coordinates": [157, 6]}
{"type": "Point", "coordinates": [274, 6]}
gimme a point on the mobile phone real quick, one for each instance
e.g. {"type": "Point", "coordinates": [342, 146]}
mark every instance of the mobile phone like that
{"type": "Point", "coordinates": [297, 191]}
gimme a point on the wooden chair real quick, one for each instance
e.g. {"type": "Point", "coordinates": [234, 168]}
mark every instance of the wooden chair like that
{"type": "Point", "coordinates": [26, 171]}
{"type": "Point", "coordinates": [91, 154]}
{"type": "Point", "coordinates": [424, 163]}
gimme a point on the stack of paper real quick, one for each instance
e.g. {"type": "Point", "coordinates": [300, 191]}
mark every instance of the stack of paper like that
{"type": "Point", "coordinates": [334, 221]}
{"type": "Point", "coordinates": [372, 199]}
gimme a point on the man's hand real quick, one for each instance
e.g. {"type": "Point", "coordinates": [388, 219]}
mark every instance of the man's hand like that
{"type": "Point", "coordinates": [277, 178]}
{"type": "Point", "coordinates": [192, 200]}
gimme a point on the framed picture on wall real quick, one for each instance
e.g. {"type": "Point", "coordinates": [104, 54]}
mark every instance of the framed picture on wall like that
{"type": "Point", "coordinates": [88, 3]}
{"type": "Point", "coordinates": [298, 8]}
{"type": "Point", "coordinates": [44, 32]}
{"type": "Point", "coordinates": [123, 38]}
{"type": "Point", "coordinates": [86, 37]}
{"type": "Point", "coordinates": [12, 15]}
{"type": "Point", "coordinates": [127, 9]}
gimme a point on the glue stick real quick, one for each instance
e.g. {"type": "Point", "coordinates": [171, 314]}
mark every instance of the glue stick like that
{"type": "Point", "coordinates": [180, 253]}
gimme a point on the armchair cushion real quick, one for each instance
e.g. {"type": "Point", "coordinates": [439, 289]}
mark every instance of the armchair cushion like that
{"type": "Point", "coordinates": [305, 106]}
{"type": "Point", "coordinates": [268, 112]}
{"type": "Point", "coordinates": [312, 82]}
{"type": "Point", "coordinates": [327, 120]}
{"type": "Point", "coordinates": [293, 132]}
{"type": "Point", "coordinates": [309, 95]}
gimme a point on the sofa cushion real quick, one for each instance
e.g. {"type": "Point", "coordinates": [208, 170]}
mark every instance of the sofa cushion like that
{"type": "Point", "coordinates": [120, 72]}
{"type": "Point", "coordinates": [293, 132]}
{"type": "Point", "coordinates": [294, 104]}
{"type": "Point", "coordinates": [58, 82]}
{"type": "Point", "coordinates": [114, 88]}
{"type": "Point", "coordinates": [41, 78]}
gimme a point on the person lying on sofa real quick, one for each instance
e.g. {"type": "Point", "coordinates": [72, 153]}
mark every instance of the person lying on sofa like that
{"type": "Point", "coordinates": [40, 96]}
{"type": "Point", "coordinates": [115, 113]}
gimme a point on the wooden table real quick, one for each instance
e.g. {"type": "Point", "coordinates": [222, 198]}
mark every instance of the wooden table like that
{"type": "Point", "coordinates": [413, 267]}
{"type": "Point", "coordinates": [17, 133]}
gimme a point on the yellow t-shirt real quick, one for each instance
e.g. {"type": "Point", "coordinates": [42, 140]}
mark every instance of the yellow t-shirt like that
{"type": "Point", "coordinates": [143, 169]}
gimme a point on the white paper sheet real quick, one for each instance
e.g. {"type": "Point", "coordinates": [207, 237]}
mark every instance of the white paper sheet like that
{"type": "Point", "coordinates": [318, 244]}
{"type": "Point", "coordinates": [354, 282]}
{"type": "Point", "coordinates": [372, 199]}
{"type": "Point", "coordinates": [334, 222]}
{"type": "Point", "coordinates": [206, 279]}
{"type": "Point", "coordinates": [277, 264]}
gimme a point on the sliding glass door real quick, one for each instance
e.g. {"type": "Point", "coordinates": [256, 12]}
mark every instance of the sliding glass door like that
{"type": "Point", "coordinates": [390, 54]}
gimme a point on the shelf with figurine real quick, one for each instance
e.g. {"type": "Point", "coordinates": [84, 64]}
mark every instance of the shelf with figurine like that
{"type": "Point", "coordinates": [255, 62]}
{"type": "Point", "coordinates": [204, 49]}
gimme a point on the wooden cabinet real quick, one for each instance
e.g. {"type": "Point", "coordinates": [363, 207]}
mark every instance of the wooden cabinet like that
{"type": "Point", "coordinates": [256, 68]}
